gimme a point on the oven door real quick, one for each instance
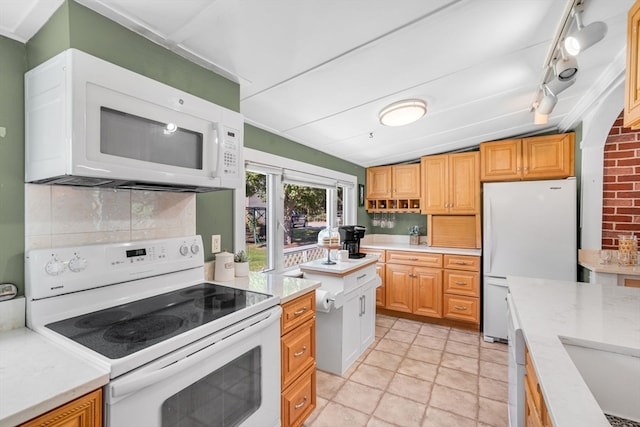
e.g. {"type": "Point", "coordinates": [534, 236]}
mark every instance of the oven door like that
{"type": "Point", "coordinates": [230, 378]}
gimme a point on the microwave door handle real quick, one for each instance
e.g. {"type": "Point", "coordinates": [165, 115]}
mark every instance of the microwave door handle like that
{"type": "Point", "coordinates": [215, 148]}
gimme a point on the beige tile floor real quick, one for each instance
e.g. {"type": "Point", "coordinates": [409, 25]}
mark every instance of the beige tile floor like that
{"type": "Point", "coordinates": [417, 375]}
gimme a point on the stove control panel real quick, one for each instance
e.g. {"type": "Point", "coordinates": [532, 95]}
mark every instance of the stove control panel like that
{"type": "Point", "coordinates": [61, 270]}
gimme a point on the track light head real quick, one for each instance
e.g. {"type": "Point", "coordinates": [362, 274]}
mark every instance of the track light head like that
{"type": "Point", "coordinates": [566, 68]}
{"type": "Point", "coordinates": [547, 103]}
{"type": "Point", "coordinates": [584, 36]}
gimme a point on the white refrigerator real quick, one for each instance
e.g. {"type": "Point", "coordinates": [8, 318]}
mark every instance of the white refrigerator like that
{"type": "Point", "coordinates": [529, 229]}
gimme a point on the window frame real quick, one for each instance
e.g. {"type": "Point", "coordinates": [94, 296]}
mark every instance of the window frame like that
{"type": "Point", "coordinates": [280, 170]}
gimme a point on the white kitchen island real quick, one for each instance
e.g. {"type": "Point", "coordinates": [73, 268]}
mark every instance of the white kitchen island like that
{"type": "Point", "coordinates": [584, 342]}
{"type": "Point", "coordinates": [345, 325]}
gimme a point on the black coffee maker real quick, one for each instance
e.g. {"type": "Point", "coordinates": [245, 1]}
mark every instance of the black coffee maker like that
{"type": "Point", "coordinates": [350, 236]}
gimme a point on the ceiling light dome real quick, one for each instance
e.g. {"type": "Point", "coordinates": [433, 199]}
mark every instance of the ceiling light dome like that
{"type": "Point", "coordinates": [403, 112]}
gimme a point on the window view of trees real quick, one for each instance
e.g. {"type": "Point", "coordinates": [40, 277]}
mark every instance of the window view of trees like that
{"type": "Point", "coordinates": [305, 214]}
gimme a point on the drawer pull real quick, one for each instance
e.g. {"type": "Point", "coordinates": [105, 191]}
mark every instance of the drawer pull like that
{"type": "Point", "coordinates": [299, 312]}
{"type": "Point", "coordinates": [301, 352]}
{"type": "Point", "coordinates": [301, 404]}
{"type": "Point", "coordinates": [460, 307]}
{"type": "Point", "coordinates": [461, 283]}
{"type": "Point", "coordinates": [361, 276]}
{"type": "Point", "coordinates": [413, 259]}
{"type": "Point", "coordinates": [461, 262]}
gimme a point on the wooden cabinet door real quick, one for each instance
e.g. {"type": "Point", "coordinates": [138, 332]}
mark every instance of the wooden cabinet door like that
{"type": "Point", "coordinates": [632, 81]}
{"type": "Point", "coordinates": [464, 183]}
{"type": "Point", "coordinates": [501, 160]}
{"type": "Point", "coordinates": [398, 283]}
{"type": "Point", "coordinates": [380, 290]}
{"type": "Point", "coordinates": [85, 411]}
{"type": "Point", "coordinates": [379, 182]}
{"type": "Point", "coordinates": [427, 292]}
{"type": "Point", "coordinates": [548, 156]}
{"type": "Point", "coordinates": [435, 184]}
{"type": "Point", "coordinates": [406, 181]}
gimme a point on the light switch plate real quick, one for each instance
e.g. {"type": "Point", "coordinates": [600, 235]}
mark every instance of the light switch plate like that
{"type": "Point", "coordinates": [215, 243]}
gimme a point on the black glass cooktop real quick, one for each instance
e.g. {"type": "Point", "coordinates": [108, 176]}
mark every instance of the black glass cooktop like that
{"type": "Point", "coordinates": [122, 330]}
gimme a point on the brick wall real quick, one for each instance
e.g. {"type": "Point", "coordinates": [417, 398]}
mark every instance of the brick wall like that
{"type": "Point", "coordinates": [621, 184]}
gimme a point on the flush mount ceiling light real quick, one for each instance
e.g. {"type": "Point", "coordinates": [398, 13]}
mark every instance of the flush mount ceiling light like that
{"type": "Point", "coordinates": [403, 112]}
{"type": "Point", "coordinates": [584, 37]}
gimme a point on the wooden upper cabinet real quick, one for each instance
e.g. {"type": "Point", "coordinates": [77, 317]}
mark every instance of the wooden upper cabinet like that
{"type": "Point", "coordinates": [540, 157]}
{"type": "Point", "coordinates": [451, 184]}
{"type": "Point", "coordinates": [632, 81]}
{"type": "Point", "coordinates": [405, 181]}
{"type": "Point", "coordinates": [379, 182]}
{"type": "Point", "coordinates": [501, 160]}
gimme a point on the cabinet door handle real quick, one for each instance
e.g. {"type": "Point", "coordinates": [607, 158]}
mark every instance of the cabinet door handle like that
{"type": "Point", "coordinates": [364, 304]}
{"type": "Point", "coordinates": [461, 283]}
{"type": "Point", "coordinates": [460, 307]}
{"type": "Point", "coordinates": [301, 352]}
{"type": "Point", "coordinates": [301, 404]}
{"type": "Point", "coordinates": [299, 312]}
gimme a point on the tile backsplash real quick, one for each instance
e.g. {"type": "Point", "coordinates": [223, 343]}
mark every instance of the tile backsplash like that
{"type": "Point", "coordinates": [63, 215]}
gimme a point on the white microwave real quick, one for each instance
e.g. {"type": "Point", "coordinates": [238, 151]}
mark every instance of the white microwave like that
{"type": "Point", "coordinates": [92, 123]}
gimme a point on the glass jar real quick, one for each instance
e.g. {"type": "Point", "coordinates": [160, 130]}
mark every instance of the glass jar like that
{"type": "Point", "coordinates": [627, 249]}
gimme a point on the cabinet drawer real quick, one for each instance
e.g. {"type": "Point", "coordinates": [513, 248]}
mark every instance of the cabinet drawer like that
{"type": "Point", "coordinates": [299, 400]}
{"type": "Point", "coordinates": [379, 252]}
{"type": "Point", "coordinates": [462, 262]}
{"type": "Point", "coordinates": [422, 259]}
{"type": "Point", "coordinates": [298, 349]}
{"type": "Point", "coordinates": [358, 278]}
{"type": "Point", "coordinates": [461, 308]}
{"type": "Point", "coordinates": [462, 283]}
{"type": "Point", "coordinates": [297, 311]}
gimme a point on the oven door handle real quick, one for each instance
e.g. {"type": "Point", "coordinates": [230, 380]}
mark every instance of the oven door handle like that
{"type": "Point", "coordinates": [235, 333]}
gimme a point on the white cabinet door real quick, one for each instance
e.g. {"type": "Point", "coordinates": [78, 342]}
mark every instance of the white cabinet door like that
{"type": "Point", "coordinates": [368, 317]}
{"type": "Point", "coordinates": [351, 328]}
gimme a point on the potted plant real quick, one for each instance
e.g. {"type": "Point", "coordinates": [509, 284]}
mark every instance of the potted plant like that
{"type": "Point", "coordinates": [241, 263]}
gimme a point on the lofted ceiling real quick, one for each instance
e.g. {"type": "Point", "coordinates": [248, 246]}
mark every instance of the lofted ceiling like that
{"type": "Point", "coordinates": [318, 72]}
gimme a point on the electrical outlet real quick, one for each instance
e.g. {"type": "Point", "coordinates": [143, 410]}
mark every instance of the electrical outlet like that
{"type": "Point", "coordinates": [215, 243]}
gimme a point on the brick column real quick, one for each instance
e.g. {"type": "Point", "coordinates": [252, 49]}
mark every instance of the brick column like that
{"type": "Point", "coordinates": [621, 184]}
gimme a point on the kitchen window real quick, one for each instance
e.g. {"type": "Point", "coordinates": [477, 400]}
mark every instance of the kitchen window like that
{"type": "Point", "coordinates": [286, 204]}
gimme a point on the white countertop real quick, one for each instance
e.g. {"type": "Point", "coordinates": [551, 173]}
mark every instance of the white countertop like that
{"type": "Point", "coordinates": [284, 287]}
{"type": "Point", "coordinates": [340, 268]}
{"type": "Point", "coordinates": [590, 258]}
{"type": "Point", "coordinates": [401, 243]}
{"type": "Point", "coordinates": [605, 317]}
{"type": "Point", "coordinates": [37, 375]}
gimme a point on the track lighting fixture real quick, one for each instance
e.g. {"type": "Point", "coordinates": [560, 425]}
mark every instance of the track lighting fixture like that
{"type": "Point", "coordinates": [561, 66]}
{"type": "Point", "coordinates": [584, 36]}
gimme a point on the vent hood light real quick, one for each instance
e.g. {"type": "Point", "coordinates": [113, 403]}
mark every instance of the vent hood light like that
{"type": "Point", "coordinates": [403, 112]}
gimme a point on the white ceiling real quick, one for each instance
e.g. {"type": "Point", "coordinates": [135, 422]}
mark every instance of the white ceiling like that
{"type": "Point", "coordinates": [318, 72]}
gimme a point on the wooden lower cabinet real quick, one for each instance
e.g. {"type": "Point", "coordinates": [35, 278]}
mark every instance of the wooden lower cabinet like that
{"type": "Point", "coordinates": [535, 412]}
{"type": "Point", "coordinates": [85, 411]}
{"type": "Point", "coordinates": [433, 285]}
{"type": "Point", "coordinates": [298, 359]}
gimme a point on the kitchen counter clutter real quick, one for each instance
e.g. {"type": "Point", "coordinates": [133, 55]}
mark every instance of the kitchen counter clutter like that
{"type": "Point", "coordinates": [37, 376]}
{"type": "Point", "coordinates": [612, 272]}
{"type": "Point", "coordinates": [584, 344]}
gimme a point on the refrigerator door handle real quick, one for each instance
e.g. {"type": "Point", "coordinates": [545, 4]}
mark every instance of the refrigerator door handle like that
{"type": "Point", "coordinates": [489, 245]}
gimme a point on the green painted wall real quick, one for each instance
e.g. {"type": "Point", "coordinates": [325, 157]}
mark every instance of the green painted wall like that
{"type": "Point", "coordinates": [12, 67]}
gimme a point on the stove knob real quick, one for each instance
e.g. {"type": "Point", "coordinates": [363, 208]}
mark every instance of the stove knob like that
{"type": "Point", "coordinates": [195, 249]}
{"type": "Point", "coordinates": [184, 250]}
{"type": "Point", "coordinates": [77, 264]}
{"type": "Point", "coordinates": [54, 267]}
